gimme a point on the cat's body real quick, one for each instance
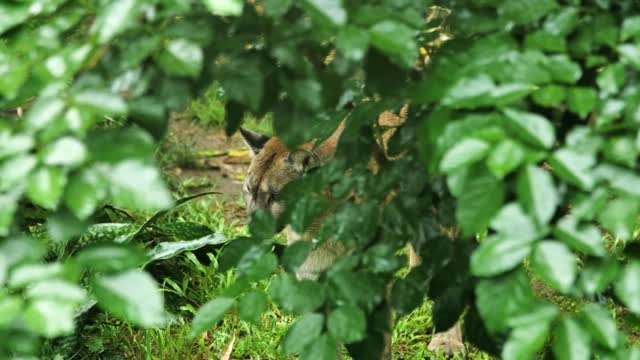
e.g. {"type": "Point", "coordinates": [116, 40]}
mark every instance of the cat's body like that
{"type": "Point", "coordinates": [273, 166]}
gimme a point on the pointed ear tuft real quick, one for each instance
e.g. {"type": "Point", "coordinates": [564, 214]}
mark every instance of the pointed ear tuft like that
{"type": "Point", "coordinates": [254, 140]}
{"type": "Point", "coordinates": [302, 160]}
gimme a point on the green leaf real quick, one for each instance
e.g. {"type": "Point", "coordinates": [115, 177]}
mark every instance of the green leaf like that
{"type": "Point", "coordinates": [67, 151]}
{"type": "Point", "coordinates": [182, 58]}
{"type": "Point", "coordinates": [58, 290]}
{"type": "Point", "coordinates": [533, 128]}
{"type": "Point", "coordinates": [277, 8]}
{"type": "Point", "coordinates": [630, 28]}
{"type": "Point", "coordinates": [50, 318]}
{"type": "Point", "coordinates": [524, 11]}
{"type": "Point", "coordinates": [302, 333]}
{"type": "Point", "coordinates": [101, 101]}
{"type": "Point", "coordinates": [622, 180]}
{"type": "Point", "coordinates": [10, 308]}
{"type": "Point", "coordinates": [353, 43]}
{"type": "Point", "coordinates": [564, 70]}
{"type": "Point", "coordinates": [570, 341]}
{"type": "Point", "coordinates": [499, 253]}
{"type": "Point", "coordinates": [85, 192]}
{"type": "Point", "coordinates": [555, 264]}
{"type": "Point", "coordinates": [596, 276]}
{"type": "Point", "coordinates": [11, 145]}
{"type": "Point", "coordinates": [524, 342]}
{"type": "Point", "coordinates": [611, 79]}
{"type": "Point", "coordinates": [582, 100]}
{"type": "Point", "coordinates": [587, 238]}
{"type": "Point", "coordinates": [600, 325]}
{"type": "Point", "coordinates": [469, 92]}
{"type": "Point", "coordinates": [111, 257]}
{"type": "Point", "coordinates": [395, 39]}
{"type": "Point", "coordinates": [12, 14]}
{"type": "Point", "coordinates": [620, 217]}
{"type": "Point", "coordinates": [505, 157]}
{"type": "Point", "coordinates": [550, 95]}
{"type": "Point", "coordinates": [295, 254]}
{"type": "Point", "coordinates": [27, 274]}
{"type": "Point", "coordinates": [347, 324]}
{"type": "Point", "coordinates": [464, 153]}
{"type": "Point", "coordinates": [132, 296]}
{"type": "Point", "coordinates": [482, 198]}
{"type": "Point", "coordinates": [621, 150]}
{"type": "Point", "coordinates": [513, 222]}
{"type": "Point", "coordinates": [563, 21]}
{"type": "Point", "coordinates": [321, 348]}
{"type": "Point", "coordinates": [252, 305]}
{"type": "Point", "coordinates": [630, 54]}
{"type": "Point", "coordinates": [8, 207]}
{"type": "Point", "coordinates": [508, 93]}
{"type": "Point", "coordinates": [15, 170]}
{"type": "Point", "coordinates": [43, 111]}
{"type": "Point", "coordinates": [330, 10]}
{"type": "Point", "coordinates": [209, 314]}
{"type": "Point", "coordinates": [45, 186]}
{"type": "Point", "coordinates": [168, 250]}
{"type": "Point", "coordinates": [544, 40]}
{"type": "Point", "coordinates": [257, 268]}
{"type": "Point", "coordinates": [243, 81]}
{"type": "Point", "coordinates": [225, 7]}
{"type": "Point", "coordinates": [114, 18]}
{"type": "Point", "coordinates": [627, 287]}
{"type": "Point", "coordinates": [574, 167]}
{"type": "Point", "coordinates": [297, 296]}
{"type": "Point", "coordinates": [537, 193]}
{"type": "Point", "coordinates": [135, 185]}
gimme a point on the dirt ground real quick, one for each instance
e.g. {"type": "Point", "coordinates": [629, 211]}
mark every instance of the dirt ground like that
{"type": "Point", "coordinates": [209, 158]}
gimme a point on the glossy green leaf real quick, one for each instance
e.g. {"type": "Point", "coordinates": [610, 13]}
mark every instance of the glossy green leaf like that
{"type": "Point", "coordinates": [58, 290]}
{"type": "Point", "coordinates": [464, 153]}
{"type": "Point", "coordinates": [302, 333]}
{"type": "Point", "coordinates": [135, 185]}
{"type": "Point", "coordinates": [630, 54]}
{"type": "Point", "coordinates": [321, 348]}
{"type": "Point", "coordinates": [524, 11]}
{"type": "Point", "coordinates": [571, 341]}
{"type": "Point", "coordinates": [533, 128]}
{"type": "Point", "coordinates": [43, 112]}
{"type": "Point", "coordinates": [611, 78]}
{"type": "Point", "coordinates": [353, 43]}
{"type": "Point", "coordinates": [10, 308]}
{"type": "Point", "coordinates": [330, 10]}
{"type": "Point", "coordinates": [620, 216]}
{"type": "Point", "coordinates": [630, 28]}
{"type": "Point", "coordinates": [15, 170]}
{"type": "Point", "coordinates": [46, 185]}
{"type": "Point", "coordinates": [513, 222]}
{"type": "Point", "coordinates": [132, 295]}
{"type": "Point", "coordinates": [347, 324]}
{"type": "Point", "coordinates": [114, 18]}
{"type": "Point", "coordinates": [252, 305]}
{"type": "Point", "coordinates": [621, 150]}
{"type": "Point", "coordinates": [497, 254]}
{"type": "Point", "coordinates": [182, 58]}
{"type": "Point", "coordinates": [100, 101]}
{"type": "Point", "coordinates": [600, 325]}
{"type": "Point", "coordinates": [50, 318]}
{"type": "Point", "coordinates": [564, 70]}
{"type": "Point", "coordinates": [596, 276]}
{"type": "Point", "coordinates": [224, 7]}
{"type": "Point", "coordinates": [14, 144]}
{"type": "Point", "coordinates": [469, 92]}
{"type": "Point", "coordinates": [627, 287]}
{"type": "Point", "coordinates": [525, 341]}
{"type": "Point", "coordinates": [563, 21]}
{"type": "Point", "coordinates": [67, 151]}
{"type": "Point", "coordinates": [85, 192]}
{"type": "Point", "coordinates": [574, 167]}
{"type": "Point", "coordinates": [555, 264]}
{"type": "Point", "coordinates": [395, 39]}
{"type": "Point", "coordinates": [297, 296]}
{"type": "Point", "coordinates": [27, 274]}
{"type": "Point", "coordinates": [167, 250]}
{"type": "Point", "coordinates": [537, 193]}
{"type": "Point", "coordinates": [505, 157]}
{"type": "Point", "coordinates": [582, 100]}
{"type": "Point", "coordinates": [585, 238]}
{"type": "Point", "coordinates": [210, 314]}
{"type": "Point", "coordinates": [550, 95]}
{"type": "Point", "coordinates": [110, 257]}
{"type": "Point", "coordinates": [481, 200]}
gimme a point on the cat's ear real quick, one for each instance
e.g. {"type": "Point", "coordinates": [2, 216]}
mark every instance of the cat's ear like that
{"type": "Point", "coordinates": [255, 141]}
{"type": "Point", "coordinates": [301, 160]}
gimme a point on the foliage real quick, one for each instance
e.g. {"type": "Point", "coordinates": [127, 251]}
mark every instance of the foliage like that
{"type": "Point", "coordinates": [527, 121]}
